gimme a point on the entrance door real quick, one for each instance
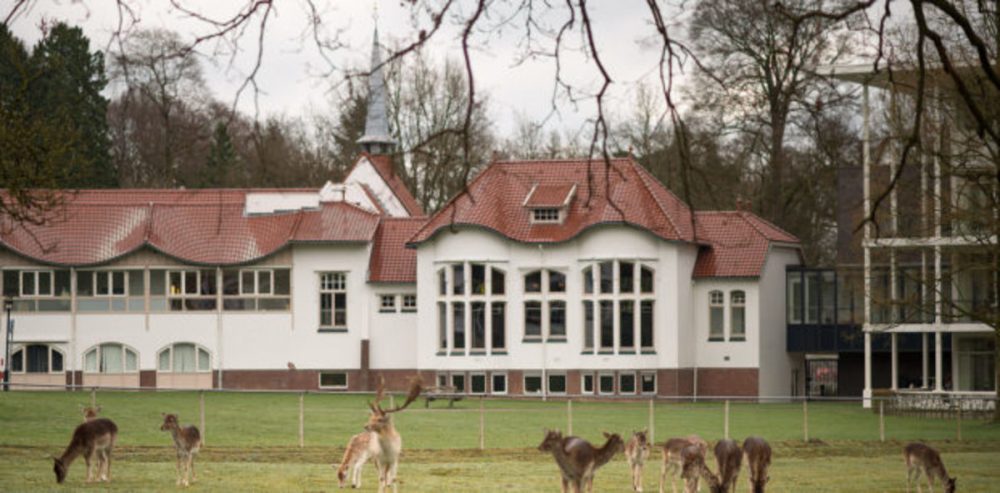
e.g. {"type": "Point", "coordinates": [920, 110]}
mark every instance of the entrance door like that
{"type": "Point", "coordinates": [821, 377]}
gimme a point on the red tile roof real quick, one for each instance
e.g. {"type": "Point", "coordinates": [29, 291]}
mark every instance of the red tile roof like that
{"type": "Point", "coordinates": [549, 195]}
{"type": "Point", "coordinates": [494, 200]}
{"type": "Point", "coordinates": [196, 226]}
{"type": "Point", "coordinates": [383, 165]}
{"type": "Point", "coordinates": [738, 243]}
{"type": "Point", "coordinates": [390, 260]}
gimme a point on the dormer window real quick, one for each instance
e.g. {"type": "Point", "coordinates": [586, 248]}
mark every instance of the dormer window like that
{"type": "Point", "coordinates": [545, 215]}
{"type": "Point", "coordinates": [549, 204]}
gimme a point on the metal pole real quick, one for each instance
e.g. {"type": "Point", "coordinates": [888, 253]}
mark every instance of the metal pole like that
{"type": "Point", "coordinates": [652, 421]}
{"type": "Point", "coordinates": [725, 429]}
{"type": "Point", "coordinates": [569, 416]}
{"type": "Point", "coordinates": [881, 421]}
{"type": "Point", "coordinates": [201, 411]}
{"type": "Point", "coordinates": [805, 421]}
{"type": "Point", "coordinates": [302, 419]}
{"type": "Point", "coordinates": [482, 424]}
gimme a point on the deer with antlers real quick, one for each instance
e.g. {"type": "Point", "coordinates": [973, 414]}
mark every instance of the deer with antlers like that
{"type": "Point", "coordinates": [673, 460]}
{"type": "Point", "coordinates": [922, 458]}
{"type": "Point", "coordinates": [94, 440]}
{"type": "Point", "coordinates": [390, 444]}
{"type": "Point", "coordinates": [577, 459]}
{"type": "Point", "coordinates": [187, 441]}
{"type": "Point", "coordinates": [637, 452]}
{"type": "Point", "coordinates": [758, 456]}
{"type": "Point", "coordinates": [89, 413]}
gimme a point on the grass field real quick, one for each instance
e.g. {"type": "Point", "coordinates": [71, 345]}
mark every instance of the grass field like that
{"type": "Point", "coordinates": [252, 442]}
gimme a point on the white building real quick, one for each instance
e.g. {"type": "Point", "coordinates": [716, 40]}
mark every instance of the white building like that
{"type": "Point", "coordinates": [545, 276]}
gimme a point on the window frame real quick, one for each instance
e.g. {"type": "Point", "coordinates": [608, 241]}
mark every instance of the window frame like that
{"type": "Point", "coordinates": [635, 383]}
{"type": "Point", "coordinates": [642, 375]}
{"type": "Point", "coordinates": [23, 349]}
{"type": "Point", "coordinates": [604, 283]}
{"type": "Point", "coordinates": [486, 383]}
{"type": "Point", "coordinates": [737, 305]}
{"type": "Point", "coordinates": [506, 383]}
{"type": "Point", "coordinates": [490, 293]}
{"type": "Point", "coordinates": [36, 275]}
{"type": "Point", "coordinates": [333, 283]}
{"type": "Point", "coordinates": [598, 381]}
{"type": "Point", "coordinates": [548, 383]}
{"type": "Point", "coordinates": [98, 349]}
{"type": "Point", "coordinates": [387, 308]}
{"type": "Point", "coordinates": [345, 386]}
{"type": "Point", "coordinates": [546, 215]}
{"type": "Point", "coordinates": [717, 304]}
{"type": "Point", "coordinates": [409, 303]}
{"type": "Point", "coordinates": [524, 383]}
{"type": "Point", "coordinates": [198, 349]}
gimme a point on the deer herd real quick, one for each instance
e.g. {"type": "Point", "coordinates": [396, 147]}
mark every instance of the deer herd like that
{"type": "Point", "coordinates": [578, 460]}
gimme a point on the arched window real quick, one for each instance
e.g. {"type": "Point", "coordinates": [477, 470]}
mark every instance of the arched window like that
{"type": "Point", "coordinates": [184, 357]}
{"type": "Point", "coordinates": [737, 316]}
{"type": "Point", "coordinates": [716, 305]}
{"type": "Point", "coordinates": [111, 358]}
{"type": "Point", "coordinates": [36, 358]}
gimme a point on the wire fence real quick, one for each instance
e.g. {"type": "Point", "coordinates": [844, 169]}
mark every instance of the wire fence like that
{"type": "Point", "coordinates": [245, 418]}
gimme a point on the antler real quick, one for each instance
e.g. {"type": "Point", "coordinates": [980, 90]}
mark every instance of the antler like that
{"type": "Point", "coordinates": [416, 387]}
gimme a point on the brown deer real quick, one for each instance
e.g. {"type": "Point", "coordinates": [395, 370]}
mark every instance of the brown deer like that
{"type": "Point", "coordinates": [89, 413]}
{"type": "Point", "coordinates": [637, 452]}
{"type": "Point", "coordinates": [359, 450]}
{"type": "Point", "coordinates": [578, 460]}
{"type": "Point", "coordinates": [693, 468]}
{"type": "Point", "coordinates": [672, 460]}
{"type": "Point", "coordinates": [390, 444]}
{"type": "Point", "coordinates": [728, 457]}
{"type": "Point", "coordinates": [758, 454]}
{"type": "Point", "coordinates": [187, 441]}
{"type": "Point", "coordinates": [922, 458]}
{"type": "Point", "coordinates": [94, 440]}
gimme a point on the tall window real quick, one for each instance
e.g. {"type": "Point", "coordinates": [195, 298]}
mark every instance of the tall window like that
{"type": "Point", "coordinates": [111, 290]}
{"type": "Point", "coordinates": [184, 357]}
{"type": "Point", "coordinates": [37, 290]}
{"type": "Point", "coordinates": [545, 305]}
{"type": "Point", "coordinates": [36, 358]}
{"type": "Point", "coordinates": [737, 318]}
{"type": "Point", "coordinates": [110, 358]}
{"type": "Point", "coordinates": [191, 290]}
{"type": "Point", "coordinates": [716, 307]}
{"type": "Point", "coordinates": [333, 301]}
{"type": "Point", "coordinates": [618, 307]}
{"type": "Point", "coordinates": [471, 309]}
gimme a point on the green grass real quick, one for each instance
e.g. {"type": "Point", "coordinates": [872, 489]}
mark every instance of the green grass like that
{"type": "Point", "coordinates": [252, 442]}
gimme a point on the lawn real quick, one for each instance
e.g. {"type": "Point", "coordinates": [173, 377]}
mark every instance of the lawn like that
{"type": "Point", "coordinates": [252, 442]}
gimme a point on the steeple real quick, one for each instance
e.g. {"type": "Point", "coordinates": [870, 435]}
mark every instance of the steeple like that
{"type": "Point", "coordinates": [376, 139]}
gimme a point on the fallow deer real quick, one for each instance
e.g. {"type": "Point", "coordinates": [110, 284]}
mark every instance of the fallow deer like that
{"type": "Point", "coordinates": [672, 460]}
{"type": "Point", "coordinates": [922, 458]}
{"type": "Point", "coordinates": [89, 413]}
{"type": "Point", "coordinates": [728, 457]}
{"type": "Point", "coordinates": [359, 450]}
{"type": "Point", "coordinates": [94, 440]}
{"type": "Point", "coordinates": [758, 454]}
{"type": "Point", "coordinates": [693, 468]}
{"type": "Point", "coordinates": [577, 459]}
{"type": "Point", "coordinates": [637, 452]}
{"type": "Point", "coordinates": [187, 441]}
{"type": "Point", "coordinates": [390, 444]}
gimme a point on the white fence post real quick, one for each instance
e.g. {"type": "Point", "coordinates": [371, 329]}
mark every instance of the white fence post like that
{"type": "Point", "coordinates": [805, 421]}
{"type": "Point", "coordinates": [569, 416]}
{"type": "Point", "coordinates": [93, 397]}
{"type": "Point", "coordinates": [958, 419]}
{"type": "Point", "coordinates": [725, 429]}
{"type": "Point", "coordinates": [881, 421]}
{"type": "Point", "coordinates": [302, 419]}
{"type": "Point", "coordinates": [201, 412]}
{"type": "Point", "coordinates": [652, 421]}
{"type": "Point", "coordinates": [482, 424]}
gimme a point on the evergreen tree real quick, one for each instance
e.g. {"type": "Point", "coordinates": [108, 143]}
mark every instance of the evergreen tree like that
{"type": "Point", "coordinates": [222, 164]}
{"type": "Point", "coordinates": [68, 88]}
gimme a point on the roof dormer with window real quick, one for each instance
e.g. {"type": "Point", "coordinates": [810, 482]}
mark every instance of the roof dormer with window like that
{"type": "Point", "coordinates": [549, 204]}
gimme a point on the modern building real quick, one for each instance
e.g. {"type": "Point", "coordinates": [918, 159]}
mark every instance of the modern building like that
{"type": "Point", "coordinates": [553, 277]}
{"type": "Point", "coordinates": [913, 290]}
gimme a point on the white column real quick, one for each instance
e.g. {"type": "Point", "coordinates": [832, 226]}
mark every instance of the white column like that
{"type": "Point", "coordinates": [938, 362]}
{"type": "Point", "coordinates": [895, 363]}
{"type": "Point", "coordinates": [925, 373]}
{"type": "Point", "coordinates": [867, 402]}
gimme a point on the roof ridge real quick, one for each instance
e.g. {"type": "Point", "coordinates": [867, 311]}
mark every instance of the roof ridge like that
{"type": "Point", "coordinates": [581, 160]}
{"type": "Point", "coordinates": [644, 179]}
{"type": "Point", "coordinates": [768, 223]}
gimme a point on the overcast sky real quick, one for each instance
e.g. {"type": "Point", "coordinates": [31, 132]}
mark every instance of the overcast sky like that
{"type": "Point", "coordinates": [291, 76]}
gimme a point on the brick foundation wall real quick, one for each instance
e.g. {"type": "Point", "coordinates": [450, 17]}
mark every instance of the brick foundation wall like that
{"type": "Point", "coordinates": [727, 382]}
{"type": "Point", "coordinates": [147, 378]}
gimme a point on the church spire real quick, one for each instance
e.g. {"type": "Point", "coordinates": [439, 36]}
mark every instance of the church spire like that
{"type": "Point", "coordinates": [376, 139]}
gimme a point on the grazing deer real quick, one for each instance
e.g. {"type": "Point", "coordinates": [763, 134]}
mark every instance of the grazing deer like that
{"type": "Point", "coordinates": [390, 444]}
{"type": "Point", "coordinates": [672, 460]}
{"type": "Point", "coordinates": [359, 450]}
{"type": "Point", "coordinates": [728, 457]}
{"type": "Point", "coordinates": [578, 460]}
{"type": "Point", "coordinates": [693, 468]}
{"type": "Point", "coordinates": [636, 452]}
{"type": "Point", "coordinates": [758, 455]}
{"type": "Point", "coordinates": [89, 413]}
{"type": "Point", "coordinates": [94, 440]}
{"type": "Point", "coordinates": [922, 458]}
{"type": "Point", "coordinates": [187, 440]}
